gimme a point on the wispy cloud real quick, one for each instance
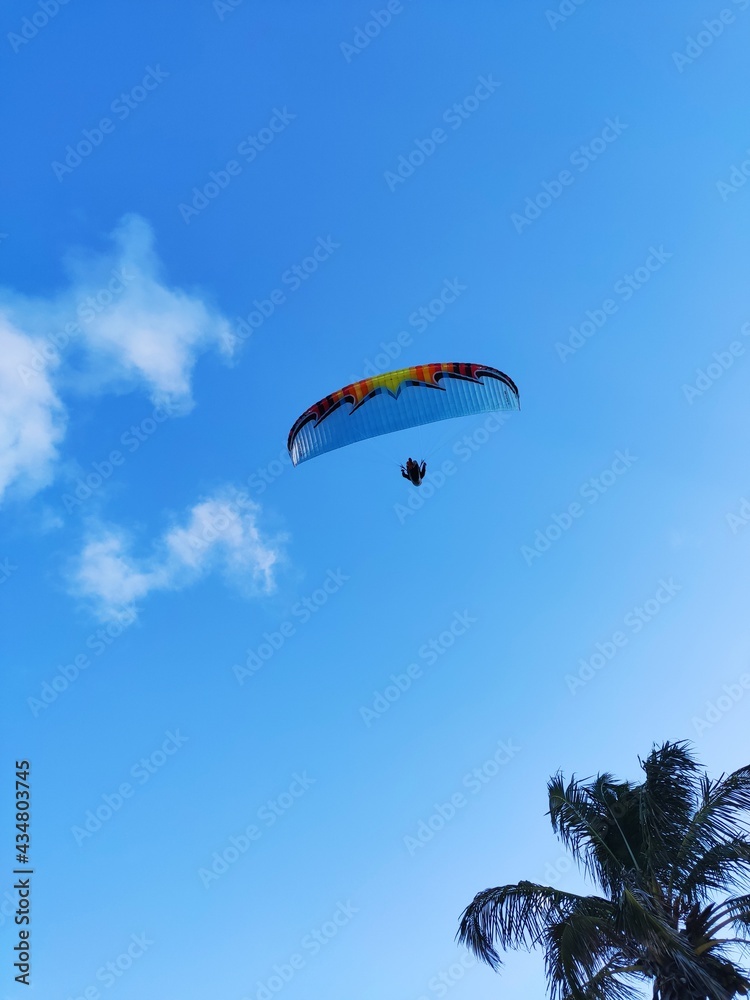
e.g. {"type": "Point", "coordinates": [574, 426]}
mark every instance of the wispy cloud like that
{"type": "Point", "coordinates": [220, 533]}
{"type": "Point", "coordinates": [116, 326]}
{"type": "Point", "coordinates": [148, 333]}
{"type": "Point", "coordinates": [32, 419]}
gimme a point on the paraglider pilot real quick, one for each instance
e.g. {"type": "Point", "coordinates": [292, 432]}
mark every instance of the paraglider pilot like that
{"type": "Point", "coordinates": [413, 472]}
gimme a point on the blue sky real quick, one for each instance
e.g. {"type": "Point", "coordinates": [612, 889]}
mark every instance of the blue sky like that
{"type": "Point", "coordinates": [230, 627]}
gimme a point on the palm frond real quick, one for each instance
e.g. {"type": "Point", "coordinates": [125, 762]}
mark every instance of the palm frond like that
{"type": "Point", "coordinates": [724, 866]}
{"type": "Point", "coordinates": [723, 814]}
{"type": "Point", "coordinates": [733, 912]}
{"type": "Point", "coordinates": [584, 816]}
{"type": "Point", "coordinates": [667, 802]}
{"type": "Point", "coordinates": [518, 916]}
{"type": "Point", "coordinates": [578, 949]}
{"type": "Point", "coordinates": [611, 982]}
{"type": "Point", "coordinates": [669, 949]}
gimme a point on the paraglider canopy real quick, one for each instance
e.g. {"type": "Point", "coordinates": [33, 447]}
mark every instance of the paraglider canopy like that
{"type": "Point", "coordinates": [396, 401]}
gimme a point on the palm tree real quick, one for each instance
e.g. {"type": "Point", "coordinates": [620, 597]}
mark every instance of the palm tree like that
{"type": "Point", "coordinates": [671, 857]}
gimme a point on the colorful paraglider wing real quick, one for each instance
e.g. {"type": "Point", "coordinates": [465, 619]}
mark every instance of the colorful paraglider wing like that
{"type": "Point", "coordinates": [397, 400]}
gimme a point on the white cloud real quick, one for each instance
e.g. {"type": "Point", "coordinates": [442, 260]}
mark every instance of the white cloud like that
{"type": "Point", "coordinates": [220, 533]}
{"type": "Point", "coordinates": [130, 319]}
{"type": "Point", "coordinates": [32, 421]}
{"type": "Point", "coordinates": [116, 326]}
